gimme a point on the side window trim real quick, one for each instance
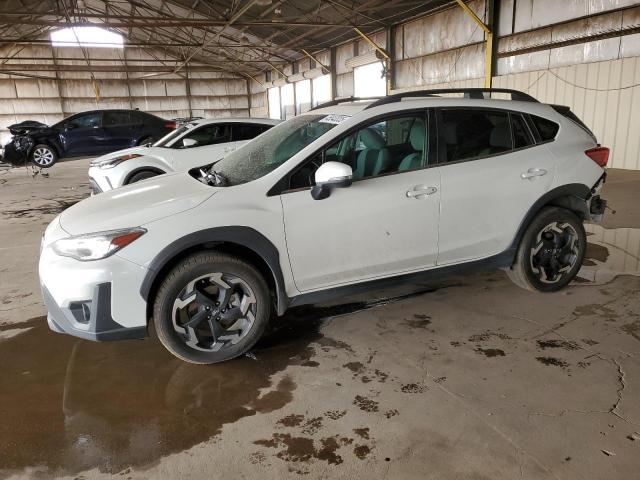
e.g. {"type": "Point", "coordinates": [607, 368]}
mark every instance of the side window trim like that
{"type": "Point", "coordinates": [427, 153]}
{"type": "Point", "coordinates": [532, 137]}
{"type": "Point", "coordinates": [536, 133]}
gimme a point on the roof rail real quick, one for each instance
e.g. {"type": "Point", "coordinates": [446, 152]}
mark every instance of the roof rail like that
{"type": "Point", "coordinates": [338, 101]}
{"type": "Point", "coordinates": [474, 93]}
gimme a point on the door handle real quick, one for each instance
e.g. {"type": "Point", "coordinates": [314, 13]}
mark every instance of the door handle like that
{"type": "Point", "coordinates": [532, 173]}
{"type": "Point", "coordinates": [420, 191]}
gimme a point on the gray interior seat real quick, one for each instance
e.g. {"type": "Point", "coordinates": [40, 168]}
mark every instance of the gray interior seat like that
{"type": "Point", "coordinates": [417, 137]}
{"type": "Point", "coordinates": [374, 158]}
{"type": "Point", "coordinates": [499, 139]}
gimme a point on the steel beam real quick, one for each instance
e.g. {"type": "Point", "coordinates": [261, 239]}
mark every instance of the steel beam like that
{"type": "Point", "coordinates": [142, 60]}
{"type": "Point", "coordinates": [26, 67]}
{"type": "Point", "coordinates": [124, 22]}
{"type": "Point", "coordinates": [489, 48]}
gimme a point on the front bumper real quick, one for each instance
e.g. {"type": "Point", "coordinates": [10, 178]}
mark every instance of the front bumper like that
{"type": "Point", "coordinates": [13, 155]}
{"type": "Point", "coordinates": [98, 181]}
{"type": "Point", "coordinates": [89, 319]}
{"type": "Point", "coordinates": [97, 300]}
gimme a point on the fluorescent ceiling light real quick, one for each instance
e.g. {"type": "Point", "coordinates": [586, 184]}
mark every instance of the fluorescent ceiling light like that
{"type": "Point", "coordinates": [86, 37]}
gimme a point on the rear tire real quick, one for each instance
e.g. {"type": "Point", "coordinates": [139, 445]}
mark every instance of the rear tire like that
{"type": "Point", "coordinates": [550, 252]}
{"type": "Point", "coordinates": [43, 156]}
{"type": "Point", "coordinates": [142, 176]}
{"type": "Point", "coordinates": [211, 307]}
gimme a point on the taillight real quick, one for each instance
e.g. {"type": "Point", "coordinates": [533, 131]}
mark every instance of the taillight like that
{"type": "Point", "coordinates": [600, 155]}
{"type": "Point", "coordinates": [170, 125]}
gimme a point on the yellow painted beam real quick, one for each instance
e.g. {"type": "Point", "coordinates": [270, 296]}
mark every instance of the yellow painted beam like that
{"type": "Point", "coordinates": [473, 15]}
{"type": "Point", "coordinates": [372, 43]}
{"type": "Point", "coordinates": [488, 61]}
{"type": "Point", "coordinates": [488, 58]}
{"type": "Point", "coordinates": [316, 60]}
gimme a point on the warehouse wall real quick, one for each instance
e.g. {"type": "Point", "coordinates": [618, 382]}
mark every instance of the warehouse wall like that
{"type": "Point", "coordinates": [590, 64]}
{"type": "Point", "coordinates": [52, 96]}
{"type": "Point", "coordinates": [576, 52]}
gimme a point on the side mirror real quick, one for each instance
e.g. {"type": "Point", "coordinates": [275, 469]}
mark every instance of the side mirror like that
{"type": "Point", "coordinates": [189, 142]}
{"type": "Point", "coordinates": [70, 126]}
{"type": "Point", "coordinates": [331, 175]}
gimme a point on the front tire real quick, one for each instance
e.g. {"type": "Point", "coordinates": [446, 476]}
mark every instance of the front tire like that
{"type": "Point", "coordinates": [142, 176]}
{"type": "Point", "coordinates": [550, 252]}
{"type": "Point", "coordinates": [211, 307]}
{"type": "Point", "coordinates": [43, 156]}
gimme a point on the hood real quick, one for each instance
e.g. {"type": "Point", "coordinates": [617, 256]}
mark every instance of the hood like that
{"type": "Point", "coordinates": [136, 204]}
{"type": "Point", "coordinates": [25, 127]}
{"type": "Point", "coordinates": [127, 151]}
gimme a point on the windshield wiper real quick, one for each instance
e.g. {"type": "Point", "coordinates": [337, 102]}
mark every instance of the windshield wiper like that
{"type": "Point", "coordinates": [213, 178]}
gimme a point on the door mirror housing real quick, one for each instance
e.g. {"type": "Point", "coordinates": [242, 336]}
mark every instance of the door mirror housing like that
{"type": "Point", "coordinates": [70, 126]}
{"type": "Point", "coordinates": [189, 142]}
{"type": "Point", "coordinates": [331, 175]}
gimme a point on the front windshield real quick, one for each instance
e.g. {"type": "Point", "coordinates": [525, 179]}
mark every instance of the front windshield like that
{"type": "Point", "coordinates": [171, 135]}
{"type": "Point", "coordinates": [274, 147]}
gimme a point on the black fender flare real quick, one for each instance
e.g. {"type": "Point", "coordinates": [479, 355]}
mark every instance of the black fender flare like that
{"type": "Point", "coordinates": [142, 169]}
{"type": "Point", "coordinates": [243, 236]}
{"type": "Point", "coordinates": [578, 191]}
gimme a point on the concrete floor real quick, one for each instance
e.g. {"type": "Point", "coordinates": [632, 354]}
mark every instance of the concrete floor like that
{"type": "Point", "coordinates": [470, 379]}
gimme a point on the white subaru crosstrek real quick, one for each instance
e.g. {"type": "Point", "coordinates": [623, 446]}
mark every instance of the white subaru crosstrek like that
{"type": "Point", "coordinates": [193, 144]}
{"type": "Point", "coordinates": [341, 199]}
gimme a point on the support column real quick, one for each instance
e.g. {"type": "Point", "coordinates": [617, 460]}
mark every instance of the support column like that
{"type": "Point", "coordinates": [391, 64]}
{"type": "Point", "coordinates": [126, 73]}
{"type": "Point", "coordinates": [188, 89]}
{"type": "Point", "coordinates": [334, 75]}
{"type": "Point", "coordinates": [249, 94]}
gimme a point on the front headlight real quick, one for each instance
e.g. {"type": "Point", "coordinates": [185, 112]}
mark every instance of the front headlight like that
{"type": "Point", "coordinates": [112, 162]}
{"type": "Point", "coordinates": [95, 246]}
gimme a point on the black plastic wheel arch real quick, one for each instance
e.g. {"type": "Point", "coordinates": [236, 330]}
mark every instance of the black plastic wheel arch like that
{"type": "Point", "coordinates": [243, 236]}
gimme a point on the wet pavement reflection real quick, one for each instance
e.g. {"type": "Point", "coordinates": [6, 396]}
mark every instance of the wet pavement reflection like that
{"type": "Point", "coordinates": [610, 253]}
{"type": "Point", "coordinates": [68, 405]}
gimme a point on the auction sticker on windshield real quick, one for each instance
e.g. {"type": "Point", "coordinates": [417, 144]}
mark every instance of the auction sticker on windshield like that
{"type": "Point", "coordinates": [335, 119]}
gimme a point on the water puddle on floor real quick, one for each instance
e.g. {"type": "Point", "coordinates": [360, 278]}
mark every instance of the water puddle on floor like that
{"type": "Point", "coordinates": [610, 253]}
{"type": "Point", "coordinates": [67, 405]}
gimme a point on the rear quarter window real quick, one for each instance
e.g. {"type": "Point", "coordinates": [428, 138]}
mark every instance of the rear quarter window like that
{"type": "Point", "coordinates": [546, 128]}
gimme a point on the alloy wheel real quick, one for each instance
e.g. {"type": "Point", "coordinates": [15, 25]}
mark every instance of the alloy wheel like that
{"type": "Point", "coordinates": [555, 252]}
{"type": "Point", "coordinates": [214, 311]}
{"type": "Point", "coordinates": [43, 156]}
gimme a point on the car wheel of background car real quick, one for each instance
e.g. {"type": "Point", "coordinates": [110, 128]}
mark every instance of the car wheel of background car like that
{"type": "Point", "coordinates": [43, 156]}
{"type": "Point", "coordinates": [551, 251]}
{"type": "Point", "coordinates": [211, 307]}
{"type": "Point", "coordinates": [141, 176]}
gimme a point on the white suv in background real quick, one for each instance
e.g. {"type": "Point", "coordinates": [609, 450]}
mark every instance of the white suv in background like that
{"type": "Point", "coordinates": [193, 144]}
{"type": "Point", "coordinates": [344, 198]}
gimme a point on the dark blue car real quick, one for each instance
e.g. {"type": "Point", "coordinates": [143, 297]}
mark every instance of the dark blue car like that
{"type": "Point", "coordinates": [88, 133]}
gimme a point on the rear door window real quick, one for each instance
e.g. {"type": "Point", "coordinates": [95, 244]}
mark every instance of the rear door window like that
{"type": "Point", "coordinates": [473, 133]}
{"type": "Point", "coordinates": [246, 131]}
{"type": "Point", "coordinates": [112, 119]}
